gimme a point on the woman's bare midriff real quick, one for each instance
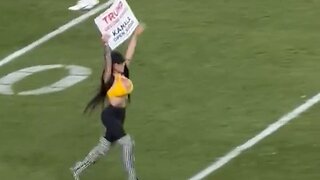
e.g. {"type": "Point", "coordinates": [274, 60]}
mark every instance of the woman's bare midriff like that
{"type": "Point", "coordinates": [118, 101]}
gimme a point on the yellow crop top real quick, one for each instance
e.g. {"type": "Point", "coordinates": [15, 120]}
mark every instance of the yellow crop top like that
{"type": "Point", "coordinates": [118, 89]}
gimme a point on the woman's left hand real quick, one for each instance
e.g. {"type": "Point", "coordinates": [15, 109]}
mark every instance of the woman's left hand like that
{"type": "Point", "coordinates": [139, 29]}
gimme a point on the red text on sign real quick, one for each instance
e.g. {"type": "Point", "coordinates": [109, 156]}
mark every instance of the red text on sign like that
{"type": "Point", "coordinates": [114, 14]}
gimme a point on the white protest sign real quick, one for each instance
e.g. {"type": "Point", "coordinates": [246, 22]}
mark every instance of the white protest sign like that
{"type": "Point", "coordinates": [118, 21]}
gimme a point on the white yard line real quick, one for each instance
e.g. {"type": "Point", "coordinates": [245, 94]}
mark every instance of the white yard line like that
{"type": "Point", "coordinates": [251, 142]}
{"type": "Point", "coordinates": [54, 33]}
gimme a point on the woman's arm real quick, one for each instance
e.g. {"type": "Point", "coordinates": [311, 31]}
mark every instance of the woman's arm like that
{"type": "Point", "coordinates": [133, 43]}
{"type": "Point", "coordinates": [107, 58]}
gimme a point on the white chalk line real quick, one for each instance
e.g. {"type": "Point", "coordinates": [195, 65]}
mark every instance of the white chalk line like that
{"type": "Point", "coordinates": [54, 33]}
{"type": "Point", "coordinates": [256, 139]}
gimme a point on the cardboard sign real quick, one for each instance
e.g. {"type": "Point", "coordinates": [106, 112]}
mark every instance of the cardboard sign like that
{"type": "Point", "coordinates": [118, 21]}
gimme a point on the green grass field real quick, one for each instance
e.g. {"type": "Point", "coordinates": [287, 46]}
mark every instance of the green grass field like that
{"type": "Point", "coordinates": [208, 75]}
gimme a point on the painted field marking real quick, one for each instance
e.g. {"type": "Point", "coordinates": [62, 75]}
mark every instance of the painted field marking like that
{"type": "Point", "coordinates": [54, 33]}
{"type": "Point", "coordinates": [256, 139]}
{"type": "Point", "coordinates": [76, 75]}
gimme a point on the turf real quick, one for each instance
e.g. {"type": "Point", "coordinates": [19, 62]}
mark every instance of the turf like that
{"type": "Point", "coordinates": [208, 75]}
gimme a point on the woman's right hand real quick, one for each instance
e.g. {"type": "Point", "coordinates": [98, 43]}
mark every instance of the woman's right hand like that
{"type": "Point", "coordinates": [105, 38]}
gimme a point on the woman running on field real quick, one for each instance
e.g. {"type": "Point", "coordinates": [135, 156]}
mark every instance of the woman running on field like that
{"type": "Point", "coordinates": [115, 88]}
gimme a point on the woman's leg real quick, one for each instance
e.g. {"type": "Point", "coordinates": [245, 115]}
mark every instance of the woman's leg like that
{"type": "Point", "coordinates": [115, 133]}
{"type": "Point", "coordinates": [119, 135]}
{"type": "Point", "coordinates": [128, 156]}
{"type": "Point", "coordinates": [99, 150]}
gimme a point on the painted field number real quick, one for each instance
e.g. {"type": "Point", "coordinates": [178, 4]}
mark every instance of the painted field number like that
{"type": "Point", "coordinates": [76, 75]}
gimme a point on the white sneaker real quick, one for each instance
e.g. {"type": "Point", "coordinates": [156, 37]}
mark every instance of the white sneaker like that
{"type": "Point", "coordinates": [76, 177]}
{"type": "Point", "coordinates": [84, 5]}
{"type": "Point", "coordinates": [74, 171]}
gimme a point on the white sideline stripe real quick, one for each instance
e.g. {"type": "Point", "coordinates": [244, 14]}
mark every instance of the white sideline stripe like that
{"type": "Point", "coordinates": [251, 142]}
{"type": "Point", "coordinates": [54, 33]}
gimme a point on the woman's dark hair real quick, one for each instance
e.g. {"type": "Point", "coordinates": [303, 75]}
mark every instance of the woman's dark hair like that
{"type": "Point", "coordinates": [99, 98]}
